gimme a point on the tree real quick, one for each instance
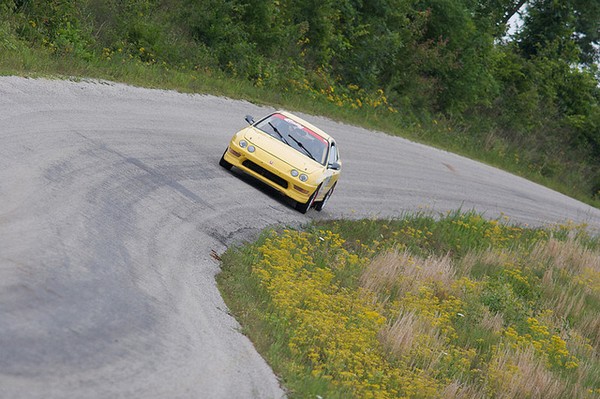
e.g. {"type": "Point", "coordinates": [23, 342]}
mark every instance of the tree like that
{"type": "Point", "coordinates": [565, 21]}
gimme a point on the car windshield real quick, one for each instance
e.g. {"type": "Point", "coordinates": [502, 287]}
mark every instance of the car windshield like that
{"type": "Point", "coordinates": [296, 136]}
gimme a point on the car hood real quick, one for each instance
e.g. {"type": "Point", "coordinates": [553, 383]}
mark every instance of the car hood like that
{"type": "Point", "coordinates": [281, 151]}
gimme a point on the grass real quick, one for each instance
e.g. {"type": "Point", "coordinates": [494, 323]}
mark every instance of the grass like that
{"type": "Point", "coordinates": [20, 59]}
{"type": "Point", "coordinates": [455, 306]}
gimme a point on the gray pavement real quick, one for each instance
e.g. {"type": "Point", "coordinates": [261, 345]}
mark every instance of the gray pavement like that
{"type": "Point", "coordinates": [111, 201]}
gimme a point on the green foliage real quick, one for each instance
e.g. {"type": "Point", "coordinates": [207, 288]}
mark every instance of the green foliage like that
{"type": "Point", "coordinates": [8, 40]}
{"type": "Point", "coordinates": [441, 68]}
{"type": "Point", "coordinates": [573, 24]}
{"type": "Point", "coordinates": [56, 25]}
{"type": "Point", "coordinates": [453, 306]}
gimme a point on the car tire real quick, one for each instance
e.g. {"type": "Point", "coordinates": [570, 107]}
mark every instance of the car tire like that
{"type": "Point", "coordinates": [303, 208]}
{"type": "Point", "coordinates": [321, 204]}
{"type": "Point", "coordinates": [224, 163]}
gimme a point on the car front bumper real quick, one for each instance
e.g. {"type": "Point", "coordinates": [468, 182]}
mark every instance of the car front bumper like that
{"type": "Point", "coordinates": [270, 170]}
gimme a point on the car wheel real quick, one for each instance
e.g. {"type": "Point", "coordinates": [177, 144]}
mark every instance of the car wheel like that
{"type": "Point", "coordinates": [224, 163]}
{"type": "Point", "coordinates": [303, 208]}
{"type": "Point", "coordinates": [321, 204]}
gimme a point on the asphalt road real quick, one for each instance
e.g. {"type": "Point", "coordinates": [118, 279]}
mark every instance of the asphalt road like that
{"type": "Point", "coordinates": [111, 201]}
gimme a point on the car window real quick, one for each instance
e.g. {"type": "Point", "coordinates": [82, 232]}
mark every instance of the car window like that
{"type": "Point", "coordinates": [295, 135]}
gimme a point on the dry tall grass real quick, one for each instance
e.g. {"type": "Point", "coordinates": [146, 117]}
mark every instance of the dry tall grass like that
{"type": "Point", "coordinates": [511, 373]}
{"type": "Point", "coordinates": [457, 390]}
{"type": "Point", "coordinates": [586, 368]}
{"type": "Point", "coordinates": [520, 374]}
{"type": "Point", "coordinates": [568, 255]}
{"type": "Point", "coordinates": [572, 258]}
{"type": "Point", "coordinates": [493, 322]}
{"type": "Point", "coordinates": [566, 302]}
{"type": "Point", "coordinates": [489, 256]}
{"type": "Point", "coordinates": [404, 272]}
{"type": "Point", "coordinates": [590, 325]}
{"type": "Point", "coordinates": [515, 374]}
{"type": "Point", "coordinates": [410, 337]}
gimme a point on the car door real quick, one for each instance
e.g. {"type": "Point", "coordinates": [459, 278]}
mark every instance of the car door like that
{"type": "Point", "coordinates": [332, 172]}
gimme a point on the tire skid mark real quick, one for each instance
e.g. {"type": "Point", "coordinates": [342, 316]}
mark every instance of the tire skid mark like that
{"type": "Point", "coordinates": [157, 177]}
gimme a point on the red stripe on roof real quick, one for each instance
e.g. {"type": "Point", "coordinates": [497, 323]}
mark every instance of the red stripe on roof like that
{"type": "Point", "coordinates": [307, 130]}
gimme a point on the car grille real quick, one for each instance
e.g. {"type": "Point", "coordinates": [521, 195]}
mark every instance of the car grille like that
{"type": "Point", "coordinates": [263, 172]}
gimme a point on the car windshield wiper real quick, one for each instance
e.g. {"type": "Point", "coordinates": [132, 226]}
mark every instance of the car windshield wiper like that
{"type": "Point", "coordinates": [303, 147]}
{"type": "Point", "coordinates": [279, 134]}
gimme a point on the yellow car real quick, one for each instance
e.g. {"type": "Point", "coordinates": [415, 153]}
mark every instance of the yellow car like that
{"type": "Point", "coordinates": [290, 155]}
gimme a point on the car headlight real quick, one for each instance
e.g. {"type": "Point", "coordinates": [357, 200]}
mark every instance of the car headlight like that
{"type": "Point", "coordinates": [243, 143]}
{"type": "Point", "coordinates": [294, 173]}
{"type": "Point", "coordinates": [251, 148]}
{"type": "Point", "coordinates": [303, 177]}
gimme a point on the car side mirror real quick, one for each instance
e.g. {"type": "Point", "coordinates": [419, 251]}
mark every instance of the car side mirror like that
{"type": "Point", "coordinates": [335, 166]}
{"type": "Point", "coordinates": [249, 119]}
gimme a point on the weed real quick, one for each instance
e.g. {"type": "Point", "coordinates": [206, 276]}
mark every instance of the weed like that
{"type": "Point", "coordinates": [458, 307]}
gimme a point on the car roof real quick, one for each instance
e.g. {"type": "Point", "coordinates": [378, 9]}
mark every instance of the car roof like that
{"type": "Point", "coordinates": [305, 123]}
